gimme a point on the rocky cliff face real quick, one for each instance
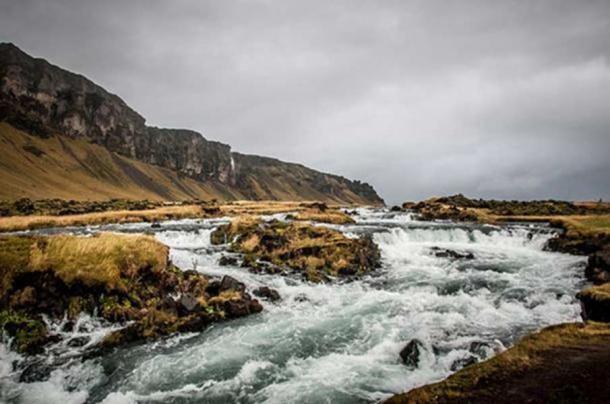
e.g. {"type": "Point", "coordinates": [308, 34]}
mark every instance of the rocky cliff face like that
{"type": "Point", "coordinates": [45, 100]}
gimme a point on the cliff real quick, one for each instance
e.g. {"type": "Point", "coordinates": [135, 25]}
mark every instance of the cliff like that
{"type": "Point", "coordinates": [44, 101]}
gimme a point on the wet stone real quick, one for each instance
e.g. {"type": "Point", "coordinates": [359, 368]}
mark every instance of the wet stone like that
{"type": "Point", "coordinates": [411, 353]}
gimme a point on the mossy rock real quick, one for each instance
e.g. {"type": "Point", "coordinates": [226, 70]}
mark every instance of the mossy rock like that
{"type": "Point", "coordinates": [318, 252]}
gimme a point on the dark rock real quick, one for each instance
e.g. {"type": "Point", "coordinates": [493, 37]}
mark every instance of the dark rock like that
{"type": "Point", "coordinates": [188, 302]}
{"type": "Point", "coordinates": [77, 342]}
{"type": "Point", "coordinates": [230, 283]}
{"type": "Point", "coordinates": [463, 362]}
{"type": "Point", "coordinates": [267, 293]}
{"type": "Point", "coordinates": [411, 353]}
{"type": "Point", "coordinates": [395, 208]}
{"type": "Point", "coordinates": [446, 253]}
{"type": "Point", "coordinates": [240, 308]}
{"type": "Point", "coordinates": [595, 303]}
{"type": "Point", "coordinates": [301, 297]}
{"type": "Point", "coordinates": [226, 260]}
{"type": "Point", "coordinates": [598, 266]}
{"type": "Point", "coordinates": [156, 225]}
{"type": "Point", "coordinates": [68, 326]}
{"type": "Point", "coordinates": [480, 349]}
{"type": "Point", "coordinates": [35, 371]}
{"type": "Point", "coordinates": [213, 288]}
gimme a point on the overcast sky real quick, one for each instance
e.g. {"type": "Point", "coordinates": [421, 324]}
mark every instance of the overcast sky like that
{"type": "Point", "coordinates": [505, 99]}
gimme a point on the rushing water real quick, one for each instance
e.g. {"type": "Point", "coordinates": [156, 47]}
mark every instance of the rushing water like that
{"type": "Point", "coordinates": [331, 342]}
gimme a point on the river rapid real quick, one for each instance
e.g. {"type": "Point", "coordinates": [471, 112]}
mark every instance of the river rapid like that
{"type": "Point", "coordinates": [326, 343]}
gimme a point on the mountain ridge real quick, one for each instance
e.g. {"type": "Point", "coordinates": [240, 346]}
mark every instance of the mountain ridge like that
{"type": "Point", "coordinates": [44, 100]}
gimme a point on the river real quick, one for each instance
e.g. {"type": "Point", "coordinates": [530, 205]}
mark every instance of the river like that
{"type": "Point", "coordinates": [327, 343]}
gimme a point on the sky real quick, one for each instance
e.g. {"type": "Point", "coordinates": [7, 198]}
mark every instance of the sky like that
{"type": "Point", "coordinates": [494, 99]}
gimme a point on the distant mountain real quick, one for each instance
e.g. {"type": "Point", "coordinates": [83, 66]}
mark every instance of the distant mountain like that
{"type": "Point", "coordinates": [51, 115]}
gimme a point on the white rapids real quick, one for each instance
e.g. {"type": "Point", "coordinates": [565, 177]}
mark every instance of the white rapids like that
{"type": "Point", "coordinates": [335, 343]}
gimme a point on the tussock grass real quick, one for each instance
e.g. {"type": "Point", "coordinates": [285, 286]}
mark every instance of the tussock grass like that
{"type": "Point", "coordinates": [16, 223]}
{"type": "Point", "coordinates": [104, 260]}
{"type": "Point", "coordinates": [101, 260]}
{"type": "Point", "coordinates": [332, 217]}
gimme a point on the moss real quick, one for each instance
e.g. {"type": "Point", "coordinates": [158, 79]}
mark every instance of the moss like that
{"type": "Point", "coordinates": [29, 333]}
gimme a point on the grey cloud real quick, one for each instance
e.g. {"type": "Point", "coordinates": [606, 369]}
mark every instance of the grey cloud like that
{"type": "Point", "coordinates": [488, 98]}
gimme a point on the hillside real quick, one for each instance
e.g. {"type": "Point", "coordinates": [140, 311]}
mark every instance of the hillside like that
{"type": "Point", "coordinates": [96, 146]}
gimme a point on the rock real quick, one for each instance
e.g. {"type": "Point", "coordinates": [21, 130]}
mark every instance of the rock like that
{"type": "Point", "coordinates": [226, 260]}
{"type": "Point", "coordinates": [188, 302]}
{"type": "Point", "coordinates": [595, 303]}
{"type": "Point", "coordinates": [446, 253]}
{"type": "Point", "coordinates": [301, 297]}
{"type": "Point", "coordinates": [267, 293]}
{"type": "Point", "coordinates": [598, 266]}
{"type": "Point", "coordinates": [240, 308]}
{"type": "Point", "coordinates": [68, 326]}
{"type": "Point", "coordinates": [77, 342]}
{"type": "Point", "coordinates": [35, 371]}
{"type": "Point", "coordinates": [230, 283]}
{"type": "Point", "coordinates": [411, 353]}
{"type": "Point", "coordinates": [463, 362]}
{"type": "Point", "coordinates": [395, 208]}
{"type": "Point", "coordinates": [480, 349]}
{"type": "Point", "coordinates": [155, 225]}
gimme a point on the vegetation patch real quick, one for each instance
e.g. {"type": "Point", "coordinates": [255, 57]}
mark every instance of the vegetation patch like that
{"type": "Point", "coordinates": [123, 278]}
{"type": "Point", "coordinates": [317, 252]}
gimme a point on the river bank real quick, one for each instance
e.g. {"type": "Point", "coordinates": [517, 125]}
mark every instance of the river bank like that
{"type": "Point", "coordinates": [561, 363]}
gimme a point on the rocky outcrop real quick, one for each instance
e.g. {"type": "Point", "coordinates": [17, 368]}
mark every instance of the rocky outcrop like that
{"type": "Point", "coordinates": [316, 252]}
{"type": "Point", "coordinates": [125, 279]}
{"type": "Point", "coordinates": [42, 99]}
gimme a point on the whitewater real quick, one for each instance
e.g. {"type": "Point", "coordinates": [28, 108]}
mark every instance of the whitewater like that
{"type": "Point", "coordinates": [333, 343]}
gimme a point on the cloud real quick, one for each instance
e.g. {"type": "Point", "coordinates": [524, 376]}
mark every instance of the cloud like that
{"type": "Point", "coordinates": [488, 98]}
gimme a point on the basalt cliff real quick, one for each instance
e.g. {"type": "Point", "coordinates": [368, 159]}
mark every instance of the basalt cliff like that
{"type": "Point", "coordinates": [64, 136]}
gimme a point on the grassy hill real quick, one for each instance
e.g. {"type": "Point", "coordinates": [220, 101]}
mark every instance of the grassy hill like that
{"type": "Point", "coordinates": [61, 167]}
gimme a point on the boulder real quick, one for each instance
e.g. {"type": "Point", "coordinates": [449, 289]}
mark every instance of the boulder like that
{"type": "Point", "coordinates": [463, 362]}
{"type": "Point", "coordinates": [411, 353]}
{"type": "Point", "coordinates": [267, 293]}
{"type": "Point", "coordinates": [598, 266]}
{"type": "Point", "coordinates": [446, 253]}
{"type": "Point", "coordinates": [229, 283]}
{"type": "Point", "coordinates": [226, 260]}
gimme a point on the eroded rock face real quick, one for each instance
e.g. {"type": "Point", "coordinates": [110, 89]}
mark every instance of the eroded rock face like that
{"type": "Point", "coordinates": [42, 99]}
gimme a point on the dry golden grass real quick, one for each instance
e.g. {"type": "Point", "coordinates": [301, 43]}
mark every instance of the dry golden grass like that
{"type": "Point", "coordinates": [329, 216]}
{"type": "Point", "coordinates": [15, 223]}
{"type": "Point", "coordinates": [102, 260]}
{"type": "Point", "coordinates": [68, 168]}
{"type": "Point", "coordinates": [598, 293]}
{"type": "Point", "coordinates": [585, 225]}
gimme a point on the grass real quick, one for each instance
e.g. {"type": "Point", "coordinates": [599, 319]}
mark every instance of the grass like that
{"type": "Point", "coordinates": [525, 357]}
{"type": "Point", "coordinates": [16, 223]}
{"type": "Point", "coordinates": [316, 251]}
{"type": "Point", "coordinates": [575, 225]}
{"type": "Point", "coordinates": [67, 168]}
{"type": "Point", "coordinates": [333, 217]}
{"type": "Point", "coordinates": [104, 260]}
